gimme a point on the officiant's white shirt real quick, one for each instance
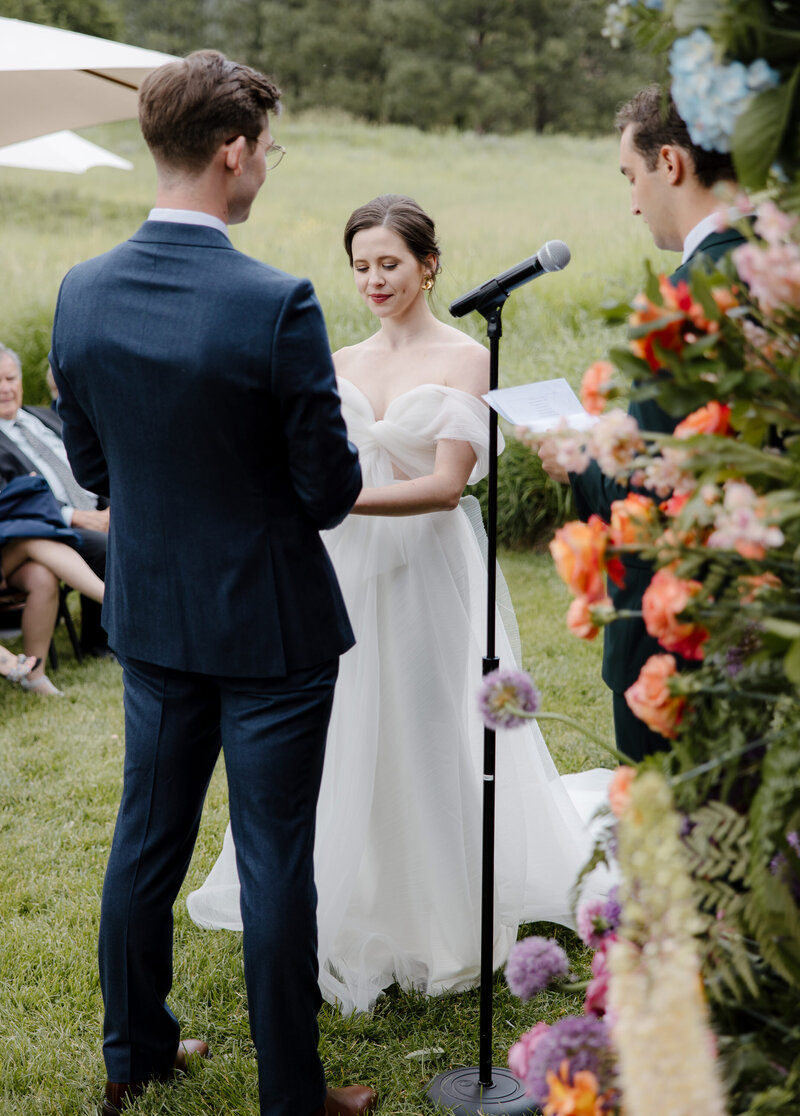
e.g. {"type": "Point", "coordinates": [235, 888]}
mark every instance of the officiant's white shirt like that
{"type": "Point", "coordinates": [187, 217]}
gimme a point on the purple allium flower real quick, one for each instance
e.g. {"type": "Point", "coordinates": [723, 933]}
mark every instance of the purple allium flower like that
{"type": "Point", "coordinates": [507, 698]}
{"type": "Point", "coordinates": [598, 919]}
{"type": "Point", "coordinates": [793, 840]}
{"type": "Point", "coordinates": [533, 964]}
{"type": "Point", "coordinates": [585, 1041]}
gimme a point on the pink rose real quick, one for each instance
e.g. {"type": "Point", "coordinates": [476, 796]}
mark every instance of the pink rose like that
{"type": "Point", "coordinates": [520, 1053]}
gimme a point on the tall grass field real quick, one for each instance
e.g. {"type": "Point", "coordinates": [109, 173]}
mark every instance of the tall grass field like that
{"type": "Point", "coordinates": [495, 201]}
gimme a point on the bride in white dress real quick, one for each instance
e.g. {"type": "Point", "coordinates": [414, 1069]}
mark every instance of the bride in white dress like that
{"type": "Point", "coordinates": [397, 856]}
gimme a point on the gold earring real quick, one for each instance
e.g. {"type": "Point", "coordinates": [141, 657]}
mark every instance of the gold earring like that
{"type": "Point", "coordinates": [427, 283]}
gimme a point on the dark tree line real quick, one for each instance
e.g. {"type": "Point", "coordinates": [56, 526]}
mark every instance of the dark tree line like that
{"type": "Point", "coordinates": [487, 65]}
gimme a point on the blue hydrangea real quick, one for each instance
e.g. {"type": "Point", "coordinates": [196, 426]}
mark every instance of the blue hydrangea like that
{"type": "Point", "coordinates": [711, 96]}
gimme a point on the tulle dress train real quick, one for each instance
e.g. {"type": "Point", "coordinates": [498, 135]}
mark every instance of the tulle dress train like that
{"type": "Point", "coordinates": [397, 856]}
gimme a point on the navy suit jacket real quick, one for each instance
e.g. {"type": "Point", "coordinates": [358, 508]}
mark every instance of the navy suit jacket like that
{"type": "Point", "coordinates": [197, 391]}
{"type": "Point", "coordinates": [626, 643]}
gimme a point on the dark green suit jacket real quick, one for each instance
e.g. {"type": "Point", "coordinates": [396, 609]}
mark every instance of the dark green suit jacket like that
{"type": "Point", "coordinates": [627, 646]}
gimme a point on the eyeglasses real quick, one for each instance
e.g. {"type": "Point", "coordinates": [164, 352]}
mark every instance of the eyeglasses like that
{"type": "Point", "coordinates": [272, 153]}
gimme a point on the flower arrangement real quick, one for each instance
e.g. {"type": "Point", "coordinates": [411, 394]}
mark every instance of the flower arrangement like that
{"type": "Point", "coordinates": [716, 507]}
{"type": "Point", "coordinates": [697, 983]}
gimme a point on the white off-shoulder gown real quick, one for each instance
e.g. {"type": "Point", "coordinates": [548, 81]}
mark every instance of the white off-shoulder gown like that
{"type": "Point", "coordinates": [398, 846]}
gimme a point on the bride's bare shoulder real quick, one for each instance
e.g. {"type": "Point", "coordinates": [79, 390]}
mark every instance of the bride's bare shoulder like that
{"type": "Point", "coordinates": [351, 356]}
{"type": "Point", "coordinates": [467, 363]}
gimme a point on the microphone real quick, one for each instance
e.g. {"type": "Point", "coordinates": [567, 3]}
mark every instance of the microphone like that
{"type": "Point", "coordinates": [552, 256]}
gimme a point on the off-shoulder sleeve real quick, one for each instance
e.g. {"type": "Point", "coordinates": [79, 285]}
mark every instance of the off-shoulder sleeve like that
{"type": "Point", "coordinates": [462, 417]}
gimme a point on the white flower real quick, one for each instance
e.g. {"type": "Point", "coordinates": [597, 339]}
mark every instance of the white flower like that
{"type": "Point", "coordinates": [614, 442]}
{"type": "Point", "coordinates": [658, 1015]}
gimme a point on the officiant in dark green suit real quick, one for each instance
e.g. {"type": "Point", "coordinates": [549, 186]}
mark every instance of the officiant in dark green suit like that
{"type": "Point", "coordinates": [675, 189]}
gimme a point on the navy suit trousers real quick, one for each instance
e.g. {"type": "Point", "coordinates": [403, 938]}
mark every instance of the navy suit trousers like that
{"type": "Point", "coordinates": [272, 733]}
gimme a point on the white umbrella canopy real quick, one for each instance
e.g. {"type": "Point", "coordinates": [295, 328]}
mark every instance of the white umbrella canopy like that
{"type": "Point", "coordinates": [60, 151]}
{"type": "Point", "coordinates": [52, 79]}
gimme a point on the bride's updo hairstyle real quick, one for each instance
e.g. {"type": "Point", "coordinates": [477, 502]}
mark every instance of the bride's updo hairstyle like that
{"type": "Point", "coordinates": [403, 216]}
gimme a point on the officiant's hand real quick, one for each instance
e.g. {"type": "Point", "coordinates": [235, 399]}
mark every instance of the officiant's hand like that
{"type": "Point", "coordinates": [548, 455]}
{"type": "Point", "coordinates": [91, 520]}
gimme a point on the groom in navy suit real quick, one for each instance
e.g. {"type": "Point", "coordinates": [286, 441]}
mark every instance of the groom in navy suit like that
{"type": "Point", "coordinates": [197, 390]}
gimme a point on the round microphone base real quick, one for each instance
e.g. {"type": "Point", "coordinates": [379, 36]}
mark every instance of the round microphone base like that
{"type": "Point", "coordinates": [461, 1093]}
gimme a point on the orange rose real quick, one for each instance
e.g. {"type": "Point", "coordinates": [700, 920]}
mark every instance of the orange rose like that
{"type": "Point", "coordinates": [668, 335]}
{"type": "Point", "coordinates": [674, 505]}
{"type": "Point", "coordinates": [580, 1098]}
{"type": "Point", "coordinates": [678, 296]}
{"type": "Point", "coordinates": [714, 418]}
{"type": "Point", "coordinates": [725, 298]}
{"type": "Point", "coordinates": [595, 378]}
{"type": "Point", "coordinates": [582, 616]}
{"type": "Point", "coordinates": [632, 520]}
{"type": "Point", "coordinates": [578, 551]}
{"type": "Point", "coordinates": [664, 599]}
{"type": "Point", "coordinates": [750, 585]}
{"type": "Point", "coordinates": [619, 789]}
{"type": "Point", "coordinates": [681, 318]}
{"type": "Point", "coordinates": [649, 697]}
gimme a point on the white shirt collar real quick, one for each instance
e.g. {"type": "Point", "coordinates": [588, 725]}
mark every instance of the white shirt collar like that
{"type": "Point", "coordinates": [188, 217]}
{"type": "Point", "coordinates": [710, 224]}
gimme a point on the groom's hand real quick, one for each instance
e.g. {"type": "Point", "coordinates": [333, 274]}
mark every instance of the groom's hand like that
{"type": "Point", "coordinates": [548, 455]}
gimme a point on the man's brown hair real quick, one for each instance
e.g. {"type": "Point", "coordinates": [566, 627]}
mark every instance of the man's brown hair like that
{"type": "Point", "coordinates": [657, 122]}
{"type": "Point", "coordinates": [187, 109]}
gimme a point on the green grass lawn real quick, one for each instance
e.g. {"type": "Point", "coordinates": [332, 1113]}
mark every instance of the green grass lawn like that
{"type": "Point", "coordinates": [60, 779]}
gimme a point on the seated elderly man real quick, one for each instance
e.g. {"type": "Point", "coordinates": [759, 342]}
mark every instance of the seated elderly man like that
{"type": "Point", "coordinates": [30, 442]}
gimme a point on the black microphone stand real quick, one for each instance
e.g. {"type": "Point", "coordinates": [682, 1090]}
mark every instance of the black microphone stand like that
{"type": "Point", "coordinates": [486, 1090]}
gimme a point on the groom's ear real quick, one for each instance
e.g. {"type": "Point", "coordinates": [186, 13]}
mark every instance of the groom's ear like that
{"type": "Point", "coordinates": [673, 161]}
{"type": "Point", "coordinates": [234, 150]}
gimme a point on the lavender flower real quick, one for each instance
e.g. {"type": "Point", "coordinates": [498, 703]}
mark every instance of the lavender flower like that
{"type": "Point", "coordinates": [507, 698]}
{"type": "Point", "coordinates": [533, 964]}
{"type": "Point", "coordinates": [599, 919]}
{"type": "Point", "coordinates": [585, 1042]}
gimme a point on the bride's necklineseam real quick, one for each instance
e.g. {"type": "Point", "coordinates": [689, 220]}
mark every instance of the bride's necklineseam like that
{"type": "Point", "coordinates": [403, 394]}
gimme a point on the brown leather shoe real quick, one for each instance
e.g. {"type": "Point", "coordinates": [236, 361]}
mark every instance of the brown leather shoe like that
{"type": "Point", "coordinates": [121, 1093]}
{"type": "Point", "coordinates": [352, 1100]}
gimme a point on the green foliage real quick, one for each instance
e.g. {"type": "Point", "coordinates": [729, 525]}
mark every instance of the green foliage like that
{"type": "Point", "coordinates": [499, 67]}
{"type": "Point", "coordinates": [529, 505]}
{"type": "Point", "coordinates": [29, 337]}
{"type": "Point", "coordinates": [90, 17]}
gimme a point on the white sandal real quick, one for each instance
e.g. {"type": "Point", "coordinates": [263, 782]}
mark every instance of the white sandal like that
{"type": "Point", "coordinates": [42, 686]}
{"type": "Point", "coordinates": [23, 665]}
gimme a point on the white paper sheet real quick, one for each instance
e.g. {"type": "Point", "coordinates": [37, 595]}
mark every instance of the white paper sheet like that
{"type": "Point", "coordinates": [541, 406]}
